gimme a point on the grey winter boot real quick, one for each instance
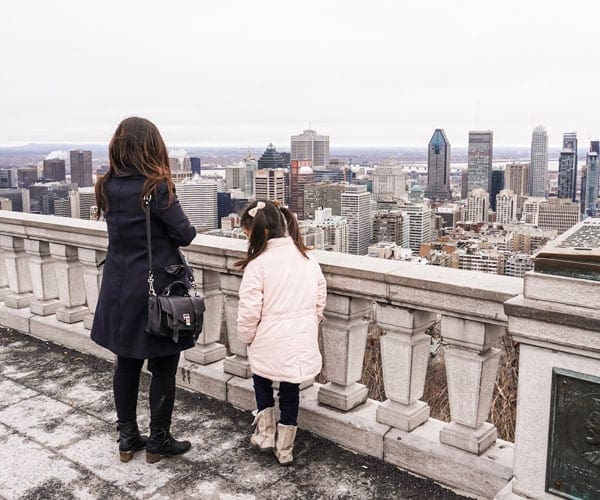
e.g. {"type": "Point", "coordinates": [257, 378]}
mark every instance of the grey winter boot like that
{"type": "Point", "coordinates": [286, 435]}
{"type": "Point", "coordinates": [264, 433]}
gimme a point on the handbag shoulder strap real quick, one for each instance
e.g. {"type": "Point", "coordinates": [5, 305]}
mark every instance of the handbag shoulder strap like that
{"type": "Point", "coordinates": [147, 199]}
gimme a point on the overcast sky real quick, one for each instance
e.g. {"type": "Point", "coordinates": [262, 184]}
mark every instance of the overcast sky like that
{"type": "Point", "coordinates": [250, 72]}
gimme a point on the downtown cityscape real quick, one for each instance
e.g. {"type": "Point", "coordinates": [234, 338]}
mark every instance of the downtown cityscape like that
{"type": "Point", "coordinates": [490, 211]}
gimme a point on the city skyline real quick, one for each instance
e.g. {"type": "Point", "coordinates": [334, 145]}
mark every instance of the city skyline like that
{"type": "Point", "coordinates": [373, 76]}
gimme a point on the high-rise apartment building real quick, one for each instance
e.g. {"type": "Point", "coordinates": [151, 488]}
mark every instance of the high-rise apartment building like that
{"type": "Point", "coordinates": [590, 187]}
{"type": "Point", "coordinates": [389, 183]}
{"type": "Point", "coordinates": [312, 147]}
{"type": "Point", "coordinates": [356, 202]}
{"type": "Point", "coordinates": [198, 199]}
{"type": "Point", "coordinates": [392, 226]}
{"type": "Point", "coordinates": [81, 168]}
{"type": "Point", "coordinates": [538, 169]}
{"type": "Point", "coordinates": [271, 158]}
{"type": "Point", "coordinates": [54, 170]}
{"type": "Point", "coordinates": [438, 167]}
{"type": "Point", "coordinates": [506, 207]}
{"type": "Point", "coordinates": [478, 204]}
{"type": "Point", "coordinates": [87, 203]}
{"type": "Point", "coordinates": [270, 184]}
{"type": "Point", "coordinates": [323, 195]}
{"type": "Point", "coordinates": [559, 214]}
{"type": "Point", "coordinates": [420, 223]}
{"type": "Point", "coordinates": [335, 230]}
{"type": "Point", "coordinates": [481, 148]}
{"type": "Point", "coordinates": [531, 210]}
{"type": "Point", "coordinates": [567, 187]}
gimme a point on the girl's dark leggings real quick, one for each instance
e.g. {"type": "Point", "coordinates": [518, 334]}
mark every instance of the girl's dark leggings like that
{"type": "Point", "coordinates": [126, 383]}
{"type": "Point", "coordinates": [289, 398]}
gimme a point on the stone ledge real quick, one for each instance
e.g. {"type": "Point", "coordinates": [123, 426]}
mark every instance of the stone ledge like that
{"type": "Point", "coordinates": [72, 335]}
{"type": "Point", "coordinates": [421, 452]}
{"type": "Point", "coordinates": [206, 379]}
{"type": "Point", "coordinates": [17, 319]}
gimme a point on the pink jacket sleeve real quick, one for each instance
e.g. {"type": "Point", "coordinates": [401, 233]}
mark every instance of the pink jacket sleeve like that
{"type": "Point", "coordinates": [321, 292]}
{"type": "Point", "coordinates": [250, 305]}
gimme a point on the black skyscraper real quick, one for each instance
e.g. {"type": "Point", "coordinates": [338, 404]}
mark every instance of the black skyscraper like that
{"type": "Point", "coordinates": [271, 159]}
{"type": "Point", "coordinates": [497, 186]}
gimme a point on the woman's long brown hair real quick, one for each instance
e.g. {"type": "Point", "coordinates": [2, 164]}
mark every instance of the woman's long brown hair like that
{"type": "Point", "coordinates": [137, 144]}
{"type": "Point", "coordinates": [272, 221]}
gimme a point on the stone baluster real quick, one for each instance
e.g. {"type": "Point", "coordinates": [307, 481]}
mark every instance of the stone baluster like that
{"type": "Point", "coordinates": [344, 341]}
{"type": "Point", "coordinates": [471, 370]}
{"type": "Point", "coordinates": [208, 349]}
{"type": "Point", "coordinates": [92, 279]}
{"type": "Point", "coordinates": [237, 364]}
{"type": "Point", "coordinates": [404, 355]}
{"type": "Point", "coordinates": [16, 263]}
{"type": "Point", "coordinates": [4, 289]}
{"type": "Point", "coordinates": [43, 278]}
{"type": "Point", "coordinates": [69, 278]}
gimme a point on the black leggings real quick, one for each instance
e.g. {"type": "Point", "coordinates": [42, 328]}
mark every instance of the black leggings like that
{"type": "Point", "coordinates": [289, 398]}
{"type": "Point", "coordinates": [126, 383]}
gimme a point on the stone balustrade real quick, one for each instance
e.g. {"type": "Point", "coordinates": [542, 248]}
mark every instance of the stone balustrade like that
{"type": "Point", "coordinates": [49, 283]}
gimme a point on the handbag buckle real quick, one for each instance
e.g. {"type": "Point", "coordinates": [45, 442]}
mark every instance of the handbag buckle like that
{"type": "Point", "coordinates": [188, 319]}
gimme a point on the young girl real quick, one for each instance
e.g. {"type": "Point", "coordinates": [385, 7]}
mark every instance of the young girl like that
{"type": "Point", "coordinates": [282, 297]}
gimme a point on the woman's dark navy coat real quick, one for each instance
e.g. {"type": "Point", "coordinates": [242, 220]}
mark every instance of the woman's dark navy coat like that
{"type": "Point", "coordinates": [120, 316]}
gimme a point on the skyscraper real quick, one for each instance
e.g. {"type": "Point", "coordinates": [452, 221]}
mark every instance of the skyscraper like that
{"type": "Point", "coordinates": [54, 169]}
{"type": "Point", "coordinates": [81, 168]}
{"type": "Point", "coordinates": [497, 186]}
{"type": "Point", "coordinates": [26, 176]}
{"type": "Point", "coordinates": [299, 168]}
{"type": "Point", "coordinates": [323, 195]}
{"type": "Point", "coordinates": [389, 184]}
{"type": "Point", "coordinates": [464, 184]}
{"type": "Point", "coordinates": [567, 168]}
{"type": "Point", "coordinates": [438, 167]}
{"type": "Point", "coordinates": [251, 167]}
{"type": "Point", "coordinates": [516, 178]}
{"type": "Point", "coordinates": [270, 184]}
{"type": "Point", "coordinates": [420, 223]}
{"type": "Point", "coordinates": [538, 169]}
{"type": "Point", "coordinates": [355, 209]}
{"type": "Point", "coordinates": [591, 184]}
{"type": "Point", "coordinates": [196, 165]}
{"type": "Point", "coordinates": [310, 146]}
{"type": "Point", "coordinates": [198, 200]}
{"type": "Point", "coordinates": [271, 158]}
{"type": "Point", "coordinates": [392, 226]}
{"type": "Point", "coordinates": [481, 148]}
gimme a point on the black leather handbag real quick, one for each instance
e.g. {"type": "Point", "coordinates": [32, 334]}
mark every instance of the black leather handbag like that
{"type": "Point", "coordinates": [175, 312]}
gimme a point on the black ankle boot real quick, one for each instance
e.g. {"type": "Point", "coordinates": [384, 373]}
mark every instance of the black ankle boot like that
{"type": "Point", "coordinates": [162, 444]}
{"type": "Point", "coordinates": [129, 440]}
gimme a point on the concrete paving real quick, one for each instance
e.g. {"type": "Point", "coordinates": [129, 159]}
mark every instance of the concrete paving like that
{"type": "Point", "coordinates": [58, 440]}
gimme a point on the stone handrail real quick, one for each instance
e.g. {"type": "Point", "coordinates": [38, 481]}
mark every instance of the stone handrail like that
{"type": "Point", "coordinates": [49, 282]}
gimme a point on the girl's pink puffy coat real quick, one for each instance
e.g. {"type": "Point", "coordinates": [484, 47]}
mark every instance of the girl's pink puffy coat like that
{"type": "Point", "coordinates": [282, 297]}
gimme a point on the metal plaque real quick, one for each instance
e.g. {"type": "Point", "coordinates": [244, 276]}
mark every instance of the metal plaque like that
{"type": "Point", "coordinates": [573, 464]}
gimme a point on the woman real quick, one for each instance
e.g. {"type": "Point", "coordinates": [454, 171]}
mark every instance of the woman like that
{"type": "Point", "coordinates": [139, 167]}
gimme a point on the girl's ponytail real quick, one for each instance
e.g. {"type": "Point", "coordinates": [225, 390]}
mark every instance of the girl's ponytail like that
{"type": "Point", "coordinates": [294, 231]}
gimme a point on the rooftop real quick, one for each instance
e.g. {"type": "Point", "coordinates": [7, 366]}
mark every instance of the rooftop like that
{"type": "Point", "coordinates": [57, 426]}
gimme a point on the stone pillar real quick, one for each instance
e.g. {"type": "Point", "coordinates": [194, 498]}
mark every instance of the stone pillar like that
{"type": "Point", "coordinates": [92, 279]}
{"type": "Point", "coordinates": [237, 364]}
{"type": "Point", "coordinates": [69, 278]}
{"type": "Point", "coordinates": [4, 290]}
{"type": "Point", "coordinates": [207, 349]}
{"type": "Point", "coordinates": [344, 342]}
{"type": "Point", "coordinates": [471, 370]}
{"type": "Point", "coordinates": [16, 263]}
{"type": "Point", "coordinates": [404, 355]}
{"type": "Point", "coordinates": [43, 278]}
